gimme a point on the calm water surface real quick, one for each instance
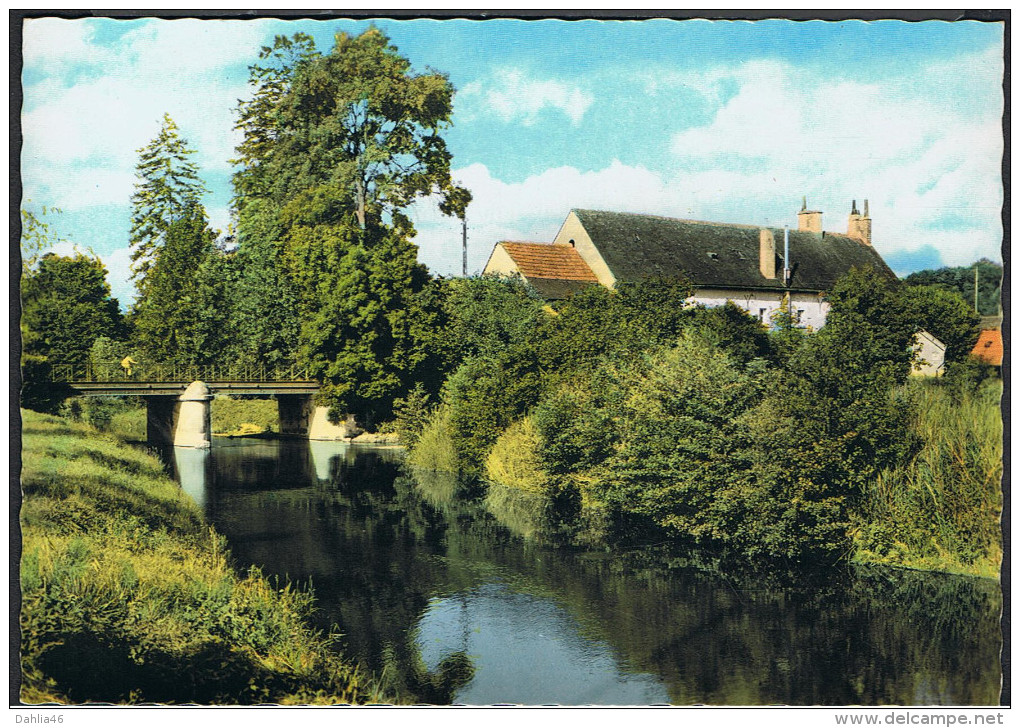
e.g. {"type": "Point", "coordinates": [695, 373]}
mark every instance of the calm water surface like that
{"type": "Point", "coordinates": [412, 574]}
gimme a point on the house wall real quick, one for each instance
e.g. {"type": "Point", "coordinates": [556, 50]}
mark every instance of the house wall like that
{"type": "Point", "coordinates": [573, 230]}
{"type": "Point", "coordinates": [500, 263]}
{"type": "Point", "coordinates": [814, 309]}
{"type": "Point", "coordinates": [929, 356]}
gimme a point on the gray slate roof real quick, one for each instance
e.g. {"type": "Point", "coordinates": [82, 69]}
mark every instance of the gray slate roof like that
{"type": "Point", "coordinates": [720, 255]}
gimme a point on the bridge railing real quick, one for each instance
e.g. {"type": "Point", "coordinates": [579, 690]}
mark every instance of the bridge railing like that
{"type": "Point", "coordinates": [155, 372]}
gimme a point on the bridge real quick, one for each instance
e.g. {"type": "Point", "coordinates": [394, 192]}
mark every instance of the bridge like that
{"type": "Point", "coordinates": [178, 397]}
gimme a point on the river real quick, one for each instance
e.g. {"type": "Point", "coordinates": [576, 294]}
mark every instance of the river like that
{"type": "Point", "coordinates": [416, 577]}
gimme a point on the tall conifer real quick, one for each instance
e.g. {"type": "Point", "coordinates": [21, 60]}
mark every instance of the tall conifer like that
{"type": "Point", "coordinates": [168, 184]}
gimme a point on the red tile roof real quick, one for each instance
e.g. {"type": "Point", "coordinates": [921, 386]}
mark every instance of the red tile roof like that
{"type": "Point", "coordinates": [989, 347]}
{"type": "Point", "coordinates": [545, 260]}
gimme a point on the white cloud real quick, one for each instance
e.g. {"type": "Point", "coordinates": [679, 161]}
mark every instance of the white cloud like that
{"type": "Point", "coordinates": [118, 267]}
{"type": "Point", "coordinates": [513, 96]}
{"type": "Point", "coordinates": [929, 165]}
{"type": "Point", "coordinates": [97, 104]}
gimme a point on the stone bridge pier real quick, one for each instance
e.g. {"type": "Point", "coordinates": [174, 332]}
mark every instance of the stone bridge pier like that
{"type": "Point", "coordinates": [182, 421]}
{"type": "Point", "coordinates": [301, 417]}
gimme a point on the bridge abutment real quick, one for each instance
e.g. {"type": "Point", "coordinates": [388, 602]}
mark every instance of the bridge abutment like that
{"type": "Point", "coordinates": [183, 421]}
{"type": "Point", "coordinates": [301, 417]}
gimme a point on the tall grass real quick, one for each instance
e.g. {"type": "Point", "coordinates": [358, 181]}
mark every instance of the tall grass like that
{"type": "Point", "coordinates": [127, 596]}
{"type": "Point", "coordinates": [941, 510]}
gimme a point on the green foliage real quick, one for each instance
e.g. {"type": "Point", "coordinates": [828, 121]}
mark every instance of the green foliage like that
{"type": "Point", "coordinates": [940, 509]}
{"type": "Point", "coordinates": [434, 450]}
{"type": "Point", "coordinates": [945, 315]}
{"type": "Point", "coordinates": [248, 415]}
{"type": "Point", "coordinates": [411, 415]}
{"type": "Point", "coordinates": [99, 412]}
{"type": "Point", "coordinates": [514, 460]}
{"type": "Point", "coordinates": [335, 148]}
{"type": "Point", "coordinates": [179, 317]}
{"type": "Point", "coordinates": [865, 343]}
{"type": "Point", "coordinates": [66, 307]}
{"type": "Point", "coordinates": [128, 597]}
{"type": "Point", "coordinates": [262, 300]}
{"type": "Point", "coordinates": [961, 281]}
{"type": "Point", "coordinates": [36, 235]}
{"type": "Point", "coordinates": [168, 186]}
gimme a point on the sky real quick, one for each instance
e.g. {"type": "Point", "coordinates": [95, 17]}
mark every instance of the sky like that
{"type": "Point", "coordinates": [727, 121]}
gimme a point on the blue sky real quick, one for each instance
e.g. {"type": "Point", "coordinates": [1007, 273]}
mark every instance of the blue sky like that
{"type": "Point", "coordinates": [730, 121]}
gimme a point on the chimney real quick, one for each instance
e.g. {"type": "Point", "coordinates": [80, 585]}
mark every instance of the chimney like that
{"type": "Point", "coordinates": [767, 253]}
{"type": "Point", "coordinates": [859, 226]}
{"type": "Point", "coordinates": [809, 221]}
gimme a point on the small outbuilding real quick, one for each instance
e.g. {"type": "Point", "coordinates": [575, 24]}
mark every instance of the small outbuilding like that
{"type": "Point", "coordinates": [929, 356]}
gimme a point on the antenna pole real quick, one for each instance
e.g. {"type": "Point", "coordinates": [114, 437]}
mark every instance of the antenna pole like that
{"type": "Point", "coordinates": [464, 245]}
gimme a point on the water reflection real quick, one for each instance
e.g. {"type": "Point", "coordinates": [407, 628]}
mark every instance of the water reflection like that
{"type": "Point", "coordinates": [415, 574]}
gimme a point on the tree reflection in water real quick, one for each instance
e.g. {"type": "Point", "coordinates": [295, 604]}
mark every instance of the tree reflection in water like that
{"type": "Point", "coordinates": [389, 553]}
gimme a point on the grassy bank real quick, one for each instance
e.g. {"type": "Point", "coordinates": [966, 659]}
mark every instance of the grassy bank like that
{"type": "Point", "coordinates": [940, 510]}
{"type": "Point", "coordinates": [129, 597]}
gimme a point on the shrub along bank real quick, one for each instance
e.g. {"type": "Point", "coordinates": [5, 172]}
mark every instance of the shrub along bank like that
{"type": "Point", "coordinates": [629, 410]}
{"type": "Point", "coordinates": [127, 596]}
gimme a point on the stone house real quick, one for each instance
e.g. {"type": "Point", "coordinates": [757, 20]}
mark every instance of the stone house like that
{"type": "Point", "coordinates": [746, 264]}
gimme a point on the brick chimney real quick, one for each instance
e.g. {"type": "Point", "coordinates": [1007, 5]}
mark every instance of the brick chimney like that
{"type": "Point", "coordinates": [767, 253]}
{"type": "Point", "coordinates": [859, 226]}
{"type": "Point", "coordinates": [809, 221]}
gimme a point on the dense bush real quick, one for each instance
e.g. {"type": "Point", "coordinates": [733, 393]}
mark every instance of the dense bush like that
{"type": "Point", "coordinates": [652, 414]}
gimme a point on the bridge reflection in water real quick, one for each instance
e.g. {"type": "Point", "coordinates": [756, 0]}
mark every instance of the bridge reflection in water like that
{"type": "Point", "coordinates": [411, 571]}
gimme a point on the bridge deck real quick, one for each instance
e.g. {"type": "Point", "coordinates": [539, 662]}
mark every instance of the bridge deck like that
{"type": "Point", "coordinates": [129, 387]}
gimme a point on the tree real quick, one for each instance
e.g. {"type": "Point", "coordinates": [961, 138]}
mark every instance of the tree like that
{"type": "Point", "coordinates": [335, 148]}
{"type": "Point", "coordinates": [961, 280]}
{"type": "Point", "coordinates": [175, 316]}
{"type": "Point", "coordinates": [944, 314]}
{"type": "Point", "coordinates": [169, 185]}
{"type": "Point", "coordinates": [66, 306]}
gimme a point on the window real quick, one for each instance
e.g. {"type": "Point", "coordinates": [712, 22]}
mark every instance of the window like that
{"type": "Point", "coordinates": [761, 314]}
{"type": "Point", "coordinates": [800, 313]}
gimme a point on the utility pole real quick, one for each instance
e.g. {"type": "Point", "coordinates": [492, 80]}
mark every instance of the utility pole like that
{"type": "Point", "coordinates": [464, 244]}
{"type": "Point", "coordinates": [976, 290]}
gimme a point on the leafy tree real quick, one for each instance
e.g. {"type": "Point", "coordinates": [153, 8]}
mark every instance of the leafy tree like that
{"type": "Point", "coordinates": [368, 131]}
{"type": "Point", "coordinates": [336, 147]}
{"type": "Point", "coordinates": [36, 234]}
{"type": "Point", "coordinates": [961, 280]}
{"type": "Point", "coordinates": [66, 307]}
{"type": "Point", "coordinates": [946, 315]}
{"type": "Point", "coordinates": [168, 185]}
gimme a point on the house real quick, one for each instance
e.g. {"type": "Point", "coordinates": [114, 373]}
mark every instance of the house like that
{"type": "Point", "coordinates": [929, 356]}
{"type": "Point", "coordinates": [725, 262]}
{"type": "Point", "coordinates": [989, 347]}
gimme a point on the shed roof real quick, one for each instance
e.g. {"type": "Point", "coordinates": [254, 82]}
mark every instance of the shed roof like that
{"type": "Point", "coordinates": [989, 347]}
{"type": "Point", "coordinates": [549, 261]}
{"type": "Point", "coordinates": [719, 254]}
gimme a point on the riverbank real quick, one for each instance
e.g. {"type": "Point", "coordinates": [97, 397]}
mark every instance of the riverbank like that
{"type": "Point", "coordinates": [128, 596]}
{"type": "Point", "coordinates": [936, 510]}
